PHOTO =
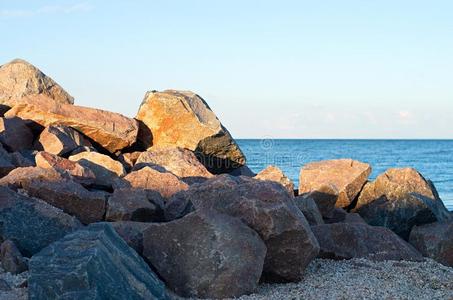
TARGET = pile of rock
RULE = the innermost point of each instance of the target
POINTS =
(96, 205)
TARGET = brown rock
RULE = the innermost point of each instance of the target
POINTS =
(273, 173)
(17, 178)
(135, 205)
(206, 255)
(267, 208)
(61, 140)
(110, 130)
(400, 199)
(183, 119)
(129, 159)
(310, 210)
(11, 258)
(19, 78)
(344, 175)
(355, 240)
(434, 241)
(325, 197)
(15, 135)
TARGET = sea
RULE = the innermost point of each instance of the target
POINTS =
(432, 158)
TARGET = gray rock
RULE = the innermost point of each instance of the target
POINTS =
(132, 233)
(11, 258)
(15, 135)
(310, 210)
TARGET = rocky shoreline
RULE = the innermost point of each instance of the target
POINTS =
(96, 205)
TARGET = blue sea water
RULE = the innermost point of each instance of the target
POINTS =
(433, 158)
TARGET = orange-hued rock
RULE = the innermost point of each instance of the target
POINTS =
(346, 176)
(19, 78)
(183, 119)
(110, 130)
(273, 173)
(61, 140)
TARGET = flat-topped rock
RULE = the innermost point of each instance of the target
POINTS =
(273, 173)
(18, 177)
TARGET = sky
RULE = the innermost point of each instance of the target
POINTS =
(268, 69)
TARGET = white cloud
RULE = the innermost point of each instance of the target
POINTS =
(46, 10)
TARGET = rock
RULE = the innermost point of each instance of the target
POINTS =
(4, 286)
(325, 198)
(17, 178)
(11, 258)
(129, 159)
(434, 241)
(19, 78)
(148, 178)
(181, 162)
(353, 218)
(132, 233)
(242, 171)
(273, 173)
(225, 256)
(81, 174)
(400, 199)
(110, 130)
(345, 176)
(71, 197)
(264, 206)
(21, 161)
(6, 164)
(92, 263)
(61, 140)
(183, 119)
(354, 240)
(105, 169)
(338, 215)
(31, 223)
(15, 135)
(135, 205)
(310, 210)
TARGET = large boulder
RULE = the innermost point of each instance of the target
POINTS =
(110, 130)
(434, 241)
(183, 119)
(61, 140)
(346, 176)
(92, 263)
(15, 134)
(206, 255)
(19, 78)
(264, 206)
(310, 210)
(273, 173)
(31, 223)
(355, 240)
(17, 178)
(400, 199)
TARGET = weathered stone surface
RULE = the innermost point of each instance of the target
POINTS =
(181, 162)
(338, 215)
(11, 258)
(183, 119)
(353, 218)
(105, 169)
(129, 159)
(242, 171)
(61, 140)
(17, 178)
(148, 178)
(19, 78)
(345, 175)
(266, 207)
(310, 210)
(71, 197)
(325, 197)
(110, 130)
(400, 199)
(132, 233)
(273, 173)
(135, 205)
(434, 241)
(31, 223)
(6, 164)
(226, 257)
(81, 174)
(92, 263)
(15, 134)
(354, 240)
(22, 159)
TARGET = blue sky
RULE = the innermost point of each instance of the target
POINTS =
(288, 69)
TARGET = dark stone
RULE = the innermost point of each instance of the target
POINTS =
(310, 210)
(15, 135)
(11, 258)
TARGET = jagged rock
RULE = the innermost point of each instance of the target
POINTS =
(110, 130)
(81, 174)
(183, 119)
(346, 176)
(129, 159)
(434, 241)
(400, 199)
(225, 256)
(132, 233)
(17, 178)
(310, 210)
(135, 205)
(61, 140)
(31, 223)
(355, 240)
(71, 197)
(92, 263)
(267, 208)
(15, 135)
(11, 258)
(148, 178)
(19, 78)
(273, 173)
(6, 165)
(181, 162)
(105, 169)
